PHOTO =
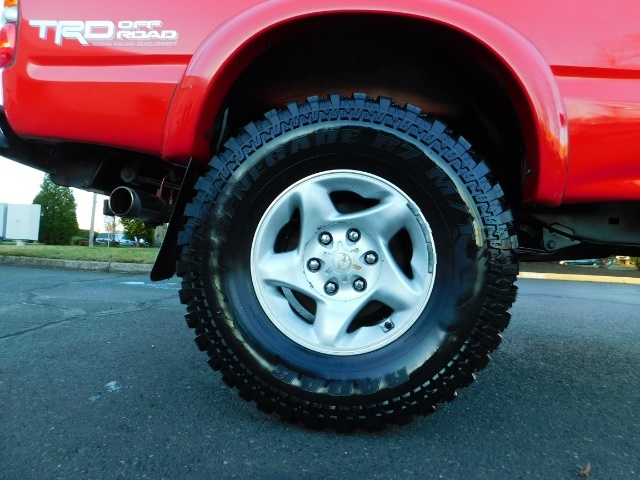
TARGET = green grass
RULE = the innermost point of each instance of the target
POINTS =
(96, 253)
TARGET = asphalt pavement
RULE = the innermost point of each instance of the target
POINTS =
(100, 378)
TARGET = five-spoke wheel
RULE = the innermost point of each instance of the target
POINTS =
(358, 255)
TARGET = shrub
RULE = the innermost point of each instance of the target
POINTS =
(77, 240)
(85, 234)
(635, 261)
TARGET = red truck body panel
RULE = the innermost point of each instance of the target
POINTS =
(577, 67)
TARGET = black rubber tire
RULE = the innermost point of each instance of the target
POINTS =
(473, 289)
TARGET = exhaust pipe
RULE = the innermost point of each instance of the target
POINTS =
(130, 203)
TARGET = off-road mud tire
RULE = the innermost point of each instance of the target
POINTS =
(473, 284)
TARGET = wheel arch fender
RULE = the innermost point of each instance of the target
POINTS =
(232, 46)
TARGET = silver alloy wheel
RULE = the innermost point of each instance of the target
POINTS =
(318, 307)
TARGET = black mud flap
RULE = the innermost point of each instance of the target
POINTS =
(165, 266)
(4, 143)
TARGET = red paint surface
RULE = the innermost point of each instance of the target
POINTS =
(593, 48)
(576, 71)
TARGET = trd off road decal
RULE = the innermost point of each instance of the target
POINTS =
(103, 33)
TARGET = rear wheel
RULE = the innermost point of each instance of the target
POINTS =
(347, 262)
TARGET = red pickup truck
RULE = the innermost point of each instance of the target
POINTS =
(349, 184)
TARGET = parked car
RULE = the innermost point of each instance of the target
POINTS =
(113, 238)
(125, 242)
(598, 262)
(103, 238)
(586, 261)
(349, 184)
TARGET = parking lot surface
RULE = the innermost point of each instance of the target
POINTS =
(100, 378)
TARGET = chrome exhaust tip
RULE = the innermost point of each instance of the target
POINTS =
(130, 203)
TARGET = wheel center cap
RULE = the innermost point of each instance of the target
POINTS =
(342, 261)
(338, 268)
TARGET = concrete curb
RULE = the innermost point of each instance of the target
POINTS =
(87, 266)
(579, 278)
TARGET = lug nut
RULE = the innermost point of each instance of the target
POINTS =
(371, 258)
(353, 235)
(313, 264)
(359, 284)
(331, 288)
(325, 238)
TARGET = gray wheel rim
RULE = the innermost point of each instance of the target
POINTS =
(344, 263)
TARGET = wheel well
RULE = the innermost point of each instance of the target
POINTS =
(429, 66)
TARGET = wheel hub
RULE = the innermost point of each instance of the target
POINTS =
(341, 261)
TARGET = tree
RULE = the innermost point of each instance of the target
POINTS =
(111, 225)
(135, 229)
(58, 220)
